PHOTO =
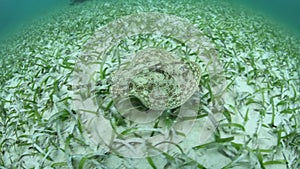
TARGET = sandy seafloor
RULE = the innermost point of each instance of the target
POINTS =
(260, 123)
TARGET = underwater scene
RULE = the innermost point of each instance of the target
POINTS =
(149, 84)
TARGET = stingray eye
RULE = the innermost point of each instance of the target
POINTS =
(130, 86)
(183, 68)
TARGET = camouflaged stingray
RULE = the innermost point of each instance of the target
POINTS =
(157, 79)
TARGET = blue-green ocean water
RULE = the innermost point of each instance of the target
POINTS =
(285, 12)
(15, 13)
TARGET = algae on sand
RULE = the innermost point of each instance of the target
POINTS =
(259, 129)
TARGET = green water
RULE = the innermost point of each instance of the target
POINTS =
(285, 12)
(15, 13)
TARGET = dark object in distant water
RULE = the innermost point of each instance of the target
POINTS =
(73, 2)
